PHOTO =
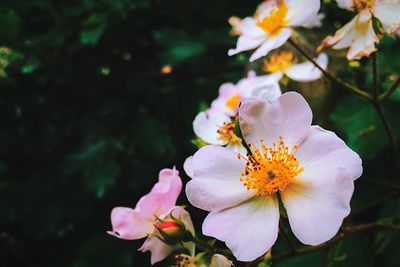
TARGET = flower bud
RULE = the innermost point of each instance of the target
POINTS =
(172, 231)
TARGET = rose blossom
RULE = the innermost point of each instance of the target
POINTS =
(272, 26)
(312, 169)
(131, 224)
(359, 34)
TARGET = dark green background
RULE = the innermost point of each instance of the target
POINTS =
(88, 120)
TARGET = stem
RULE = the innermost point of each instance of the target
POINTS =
(329, 76)
(389, 133)
(289, 241)
(374, 76)
(391, 89)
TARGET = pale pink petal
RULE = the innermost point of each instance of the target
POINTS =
(345, 4)
(159, 250)
(306, 71)
(249, 229)
(265, 85)
(289, 116)
(316, 204)
(188, 166)
(227, 90)
(302, 12)
(206, 127)
(218, 260)
(237, 148)
(272, 42)
(216, 184)
(364, 39)
(389, 15)
(128, 224)
(162, 196)
(324, 150)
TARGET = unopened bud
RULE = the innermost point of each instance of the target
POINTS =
(172, 231)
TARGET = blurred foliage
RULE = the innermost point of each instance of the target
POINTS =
(88, 120)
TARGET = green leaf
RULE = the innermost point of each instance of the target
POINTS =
(352, 251)
(92, 36)
(362, 127)
(101, 176)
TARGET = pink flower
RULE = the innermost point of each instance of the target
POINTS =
(131, 224)
(312, 169)
(272, 25)
(359, 34)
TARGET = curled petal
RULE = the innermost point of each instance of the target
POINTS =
(162, 196)
(388, 14)
(129, 224)
(219, 260)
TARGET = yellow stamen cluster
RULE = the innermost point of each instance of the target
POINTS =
(360, 5)
(183, 260)
(279, 62)
(228, 135)
(233, 102)
(271, 169)
(275, 21)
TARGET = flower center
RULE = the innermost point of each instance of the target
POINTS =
(275, 21)
(363, 4)
(228, 135)
(183, 260)
(233, 102)
(279, 62)
(271, 169)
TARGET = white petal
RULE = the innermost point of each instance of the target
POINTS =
(302, 12)
(251, 30)
(272, 42)
(343, 37)
(317, 204)
(159, 250)
(345, 4)
(249, 229)
(306, 71)
(364, 39)
(216, 184)
(315, 21)
(288, 116)
(389, 15)
(246, 43)
(206, 127)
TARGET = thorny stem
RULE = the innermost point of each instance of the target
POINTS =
(346, 231)
(391, 89)
(329, 76)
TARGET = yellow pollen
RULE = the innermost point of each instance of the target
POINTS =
(228, 135)
(271, 169)
(363, 4)
(233, 102)
(279, 62)
(275, 21)
(183, 260)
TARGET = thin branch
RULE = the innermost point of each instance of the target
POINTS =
(346, 231)
(329, 76)
(389, 133)
(391, 89)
